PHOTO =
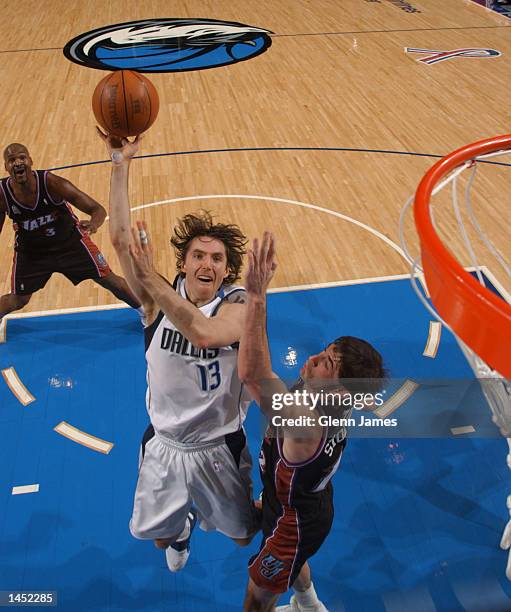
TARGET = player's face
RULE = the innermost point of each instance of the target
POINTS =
(205, 266)
(18, 163)
(324, 365)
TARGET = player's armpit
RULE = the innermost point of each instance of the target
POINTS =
(2, 219)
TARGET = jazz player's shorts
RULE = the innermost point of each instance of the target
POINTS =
(290, 537)
(215, 477)
(77, 259)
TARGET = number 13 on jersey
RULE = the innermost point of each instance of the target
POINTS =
(210, 376)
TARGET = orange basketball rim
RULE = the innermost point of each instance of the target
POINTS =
(479, 317)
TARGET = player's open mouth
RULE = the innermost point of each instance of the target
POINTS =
(205, 279)
(19, 170)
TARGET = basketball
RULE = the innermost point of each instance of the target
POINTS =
(125, 103)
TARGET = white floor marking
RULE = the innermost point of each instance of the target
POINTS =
(82, 437)
(21, 490)
(433, 341)
(406, 390)
(457, 431)
(17, 387)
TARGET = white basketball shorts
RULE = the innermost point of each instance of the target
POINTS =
(215, 477)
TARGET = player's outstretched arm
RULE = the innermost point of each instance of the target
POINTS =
(120, 222)
(254, 361)
(62, 189)
(201, 331)
(290, 414)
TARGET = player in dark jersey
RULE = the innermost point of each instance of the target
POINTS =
(48, 236)
(298, 457)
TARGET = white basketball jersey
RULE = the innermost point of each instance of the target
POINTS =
(194, 395)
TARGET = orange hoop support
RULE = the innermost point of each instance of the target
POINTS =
(479, 317)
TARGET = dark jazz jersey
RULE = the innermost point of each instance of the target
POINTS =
(44, 226)
(296, 489)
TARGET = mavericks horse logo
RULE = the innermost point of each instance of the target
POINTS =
(167, 45)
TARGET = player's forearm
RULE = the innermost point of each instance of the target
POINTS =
(120, 226)
(254, 362)
(186, 317)
(98, 216)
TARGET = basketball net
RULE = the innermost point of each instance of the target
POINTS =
(479, 319)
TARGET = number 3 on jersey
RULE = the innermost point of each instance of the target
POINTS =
(210, 376)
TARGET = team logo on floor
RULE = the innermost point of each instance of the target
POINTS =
(167, 45)
(435, 56)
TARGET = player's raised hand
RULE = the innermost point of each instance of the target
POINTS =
(261, 264)
(141, 251)
(120, 149)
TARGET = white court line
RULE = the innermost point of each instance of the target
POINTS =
(433, 342)
(457, 431)
(82, 437)
(341, 283)
(422, 281)
(396, 400)
(17, 387)
(496, 283)
(21, 490)
(327, 211)
(59, 311)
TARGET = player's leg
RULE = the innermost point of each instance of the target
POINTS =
(221, 489)
(258, 599)
(82, 260)
(11, 302)
(119, 287)
(303, 580)
(162, 503)
(305, 597)
(30, 273)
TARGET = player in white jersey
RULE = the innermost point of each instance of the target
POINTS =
(194, 462)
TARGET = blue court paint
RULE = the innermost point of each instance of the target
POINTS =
(418, 520)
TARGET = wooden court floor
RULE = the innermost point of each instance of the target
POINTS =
(332, 115)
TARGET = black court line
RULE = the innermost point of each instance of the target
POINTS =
(28, 50)
(298, 34)
(260, 149)
(460, 28)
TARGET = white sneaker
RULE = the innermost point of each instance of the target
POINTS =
(177, 554)
(294, 606)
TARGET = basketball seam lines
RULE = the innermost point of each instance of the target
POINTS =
(125, 103)
(150, 106)
(101, 102)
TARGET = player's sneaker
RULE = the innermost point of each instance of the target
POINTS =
(177, 554)
(294, 606)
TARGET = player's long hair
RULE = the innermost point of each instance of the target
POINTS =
(201, 224)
